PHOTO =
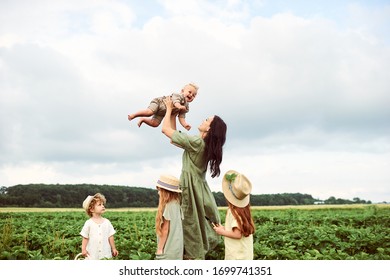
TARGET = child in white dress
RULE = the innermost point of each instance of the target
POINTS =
(97, 232)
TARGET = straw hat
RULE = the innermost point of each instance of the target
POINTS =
(169, 182)
(87, 201)
(236, 188)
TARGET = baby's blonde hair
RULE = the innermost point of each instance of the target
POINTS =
(193, 85)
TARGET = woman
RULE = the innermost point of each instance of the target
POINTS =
(200, 151)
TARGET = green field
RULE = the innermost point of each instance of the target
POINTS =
(358, 232)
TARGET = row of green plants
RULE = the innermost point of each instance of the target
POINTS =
(287, 234)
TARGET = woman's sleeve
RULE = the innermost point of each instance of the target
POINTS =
(188, 143)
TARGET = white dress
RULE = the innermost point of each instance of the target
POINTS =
(98, 246)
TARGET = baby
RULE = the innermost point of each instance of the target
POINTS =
(157, 108)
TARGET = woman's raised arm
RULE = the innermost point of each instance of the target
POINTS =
(169, 122)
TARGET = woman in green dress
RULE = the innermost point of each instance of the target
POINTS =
(200, 152)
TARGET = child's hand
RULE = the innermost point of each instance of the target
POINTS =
(115, 252)
(180, 107)
(85, 253)
(159, 251)
(188, 127)
(219, 229)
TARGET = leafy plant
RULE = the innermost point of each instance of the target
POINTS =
(230, 177)
(288, 234)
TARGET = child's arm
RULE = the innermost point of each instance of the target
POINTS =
(163, 238)
(176, 99)
(179, 106)
(112, 244)
(84, 244)
(184, 123)
(236, 233)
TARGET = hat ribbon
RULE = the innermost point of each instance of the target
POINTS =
(231, 190)
(168, 185)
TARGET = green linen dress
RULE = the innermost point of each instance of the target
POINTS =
(173, 249)
(197, 198)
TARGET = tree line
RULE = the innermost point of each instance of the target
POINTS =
(72, 196)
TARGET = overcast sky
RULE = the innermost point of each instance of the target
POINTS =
(304, 87)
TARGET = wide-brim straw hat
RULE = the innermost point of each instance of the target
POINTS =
(169, 183)
(237, 191)
(87, 201)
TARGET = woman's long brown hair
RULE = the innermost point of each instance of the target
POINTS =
(215, 139)
(244, 219)
(165, 197)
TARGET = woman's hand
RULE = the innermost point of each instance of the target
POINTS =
(168, 103)
(169, 121)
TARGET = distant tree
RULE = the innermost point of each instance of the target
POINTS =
(3, 190)
(72, 196)
(220, 199)
(356, 200)
(331, 200)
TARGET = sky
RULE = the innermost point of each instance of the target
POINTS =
(304, 87)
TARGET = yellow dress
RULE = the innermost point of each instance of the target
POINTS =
(237, 249)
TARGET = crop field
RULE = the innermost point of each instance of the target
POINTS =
(359, 232)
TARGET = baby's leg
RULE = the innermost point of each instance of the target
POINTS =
(153, 122)
(141, 113)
